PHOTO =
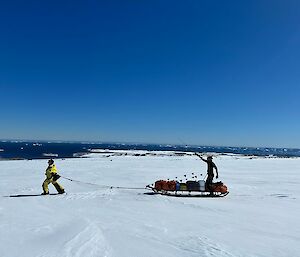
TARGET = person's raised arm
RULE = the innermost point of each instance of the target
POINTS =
(200, 157)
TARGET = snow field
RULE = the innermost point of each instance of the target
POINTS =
(260, 216)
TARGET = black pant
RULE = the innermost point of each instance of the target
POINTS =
(208, 183)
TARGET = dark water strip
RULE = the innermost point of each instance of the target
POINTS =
(46, 150)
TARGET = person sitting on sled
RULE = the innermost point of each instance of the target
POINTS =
(52, 177)
(210, 171)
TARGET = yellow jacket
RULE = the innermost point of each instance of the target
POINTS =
(50, 171)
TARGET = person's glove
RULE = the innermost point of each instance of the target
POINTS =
(55, 176)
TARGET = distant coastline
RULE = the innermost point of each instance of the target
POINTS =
(27, 150)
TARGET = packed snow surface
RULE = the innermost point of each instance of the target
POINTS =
(260, 216)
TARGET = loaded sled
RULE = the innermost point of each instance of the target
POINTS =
(189, 189)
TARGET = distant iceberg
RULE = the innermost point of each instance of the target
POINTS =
(50, 154)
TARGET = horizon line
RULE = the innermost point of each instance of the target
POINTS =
(134, 143)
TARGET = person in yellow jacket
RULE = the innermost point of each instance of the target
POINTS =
(52, 177)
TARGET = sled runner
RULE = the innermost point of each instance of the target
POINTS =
(187, 193)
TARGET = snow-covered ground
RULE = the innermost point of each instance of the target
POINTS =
(260, 216)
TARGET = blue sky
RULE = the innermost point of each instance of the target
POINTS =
(199, 72)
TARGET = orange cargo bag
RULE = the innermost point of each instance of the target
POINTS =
(172, 185)
(219, 187)
(159, 184)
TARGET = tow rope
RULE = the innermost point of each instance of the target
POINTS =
(104, 186)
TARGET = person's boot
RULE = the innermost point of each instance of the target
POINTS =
(45, 193)
(61, 191)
